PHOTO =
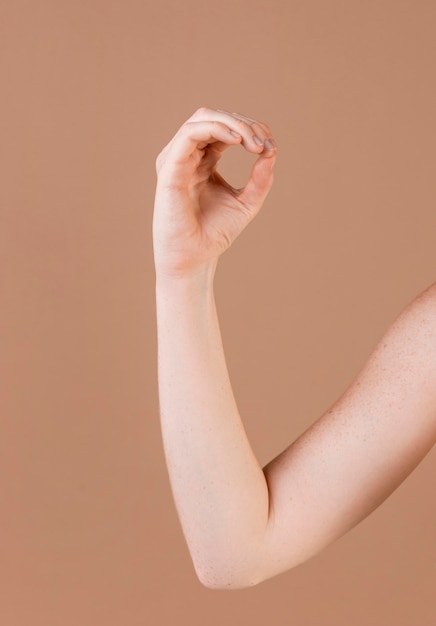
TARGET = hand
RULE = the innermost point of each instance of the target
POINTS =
(197, 214)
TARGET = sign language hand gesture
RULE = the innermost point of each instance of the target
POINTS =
(197, 214)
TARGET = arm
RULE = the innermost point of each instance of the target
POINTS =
(244, 524)
(361, 449)
(219, 488)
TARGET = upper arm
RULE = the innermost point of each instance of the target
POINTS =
(354, 456)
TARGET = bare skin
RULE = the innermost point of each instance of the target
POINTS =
(244, 524)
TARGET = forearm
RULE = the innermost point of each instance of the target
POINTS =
(219, 488)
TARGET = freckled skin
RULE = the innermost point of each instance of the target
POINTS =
(352, 458)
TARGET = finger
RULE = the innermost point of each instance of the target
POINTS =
(239, 115)
(186, 150)
(260, 182)
(253, 132)
(194, 136)
(265, 132)
(198, 115)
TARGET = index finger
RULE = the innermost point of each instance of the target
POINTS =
(181, 157)
(193, 136)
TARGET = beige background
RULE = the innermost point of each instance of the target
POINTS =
(90, 93)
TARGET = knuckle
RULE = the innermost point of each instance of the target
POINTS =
(202, 111)
(186, 128)
(264, 125)
(240, 122)
(242, 126)
(158, 161)
(266, 128)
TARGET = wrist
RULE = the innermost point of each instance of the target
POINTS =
(187, 298)
(202, 277)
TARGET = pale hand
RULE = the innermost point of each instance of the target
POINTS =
(197, 214)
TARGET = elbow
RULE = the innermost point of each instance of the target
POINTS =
(217, 581)
(226, 585)
(231, 577)
(232, 567)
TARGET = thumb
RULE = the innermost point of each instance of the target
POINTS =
(259, 183)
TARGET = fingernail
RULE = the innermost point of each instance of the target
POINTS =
(257, 140)
(270, 144)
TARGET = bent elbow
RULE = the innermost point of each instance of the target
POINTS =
(219, 579)
(226, 585)
(231, 571)
(220, 582)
